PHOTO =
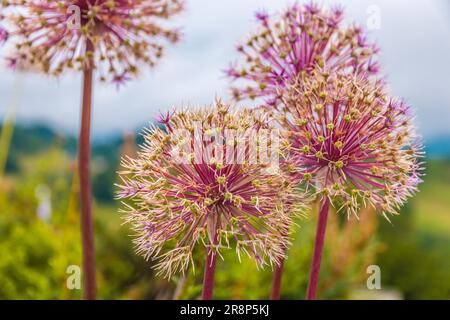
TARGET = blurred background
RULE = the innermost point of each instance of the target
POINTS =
(39, 217)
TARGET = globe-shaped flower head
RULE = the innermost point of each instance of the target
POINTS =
(297, 40)
(195, 183)
(351, 142)
(117, 35)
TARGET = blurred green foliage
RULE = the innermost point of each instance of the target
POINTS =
(36, 252)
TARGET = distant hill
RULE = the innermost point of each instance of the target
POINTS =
(438, 147)
(30, 140)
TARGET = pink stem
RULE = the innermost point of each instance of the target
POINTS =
(84, 154)
(276, 281)
(318, 249)
(208, 277)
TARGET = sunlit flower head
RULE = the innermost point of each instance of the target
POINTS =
(194, 184)
(351, 142)
(296, 40)
(117, 35)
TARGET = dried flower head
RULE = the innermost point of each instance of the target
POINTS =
(117, 35)
(351, 142)
(194, 183)
(297, 40)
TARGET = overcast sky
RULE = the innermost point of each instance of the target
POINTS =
(414, 38)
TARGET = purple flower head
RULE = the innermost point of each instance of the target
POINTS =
(11, 63)
(112, 36)
(121, 79)
(338, 12)
(262, 17)
(194, 183)
(298, 39)
(166, 118)
(311, 8)
(3, 35)
(351, 142)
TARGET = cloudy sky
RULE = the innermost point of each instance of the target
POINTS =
(414, 36)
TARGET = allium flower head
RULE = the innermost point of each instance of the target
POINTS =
(351, 142)
(116, 35)
(297, 40)
(186, 193)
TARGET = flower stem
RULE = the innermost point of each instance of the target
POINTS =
(276, 281)
(208, 277)
(318, 249)
(84, 155)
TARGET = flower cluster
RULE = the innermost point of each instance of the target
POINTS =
(351, 142)
(184, 192)
(297, 40)
(113, 36)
